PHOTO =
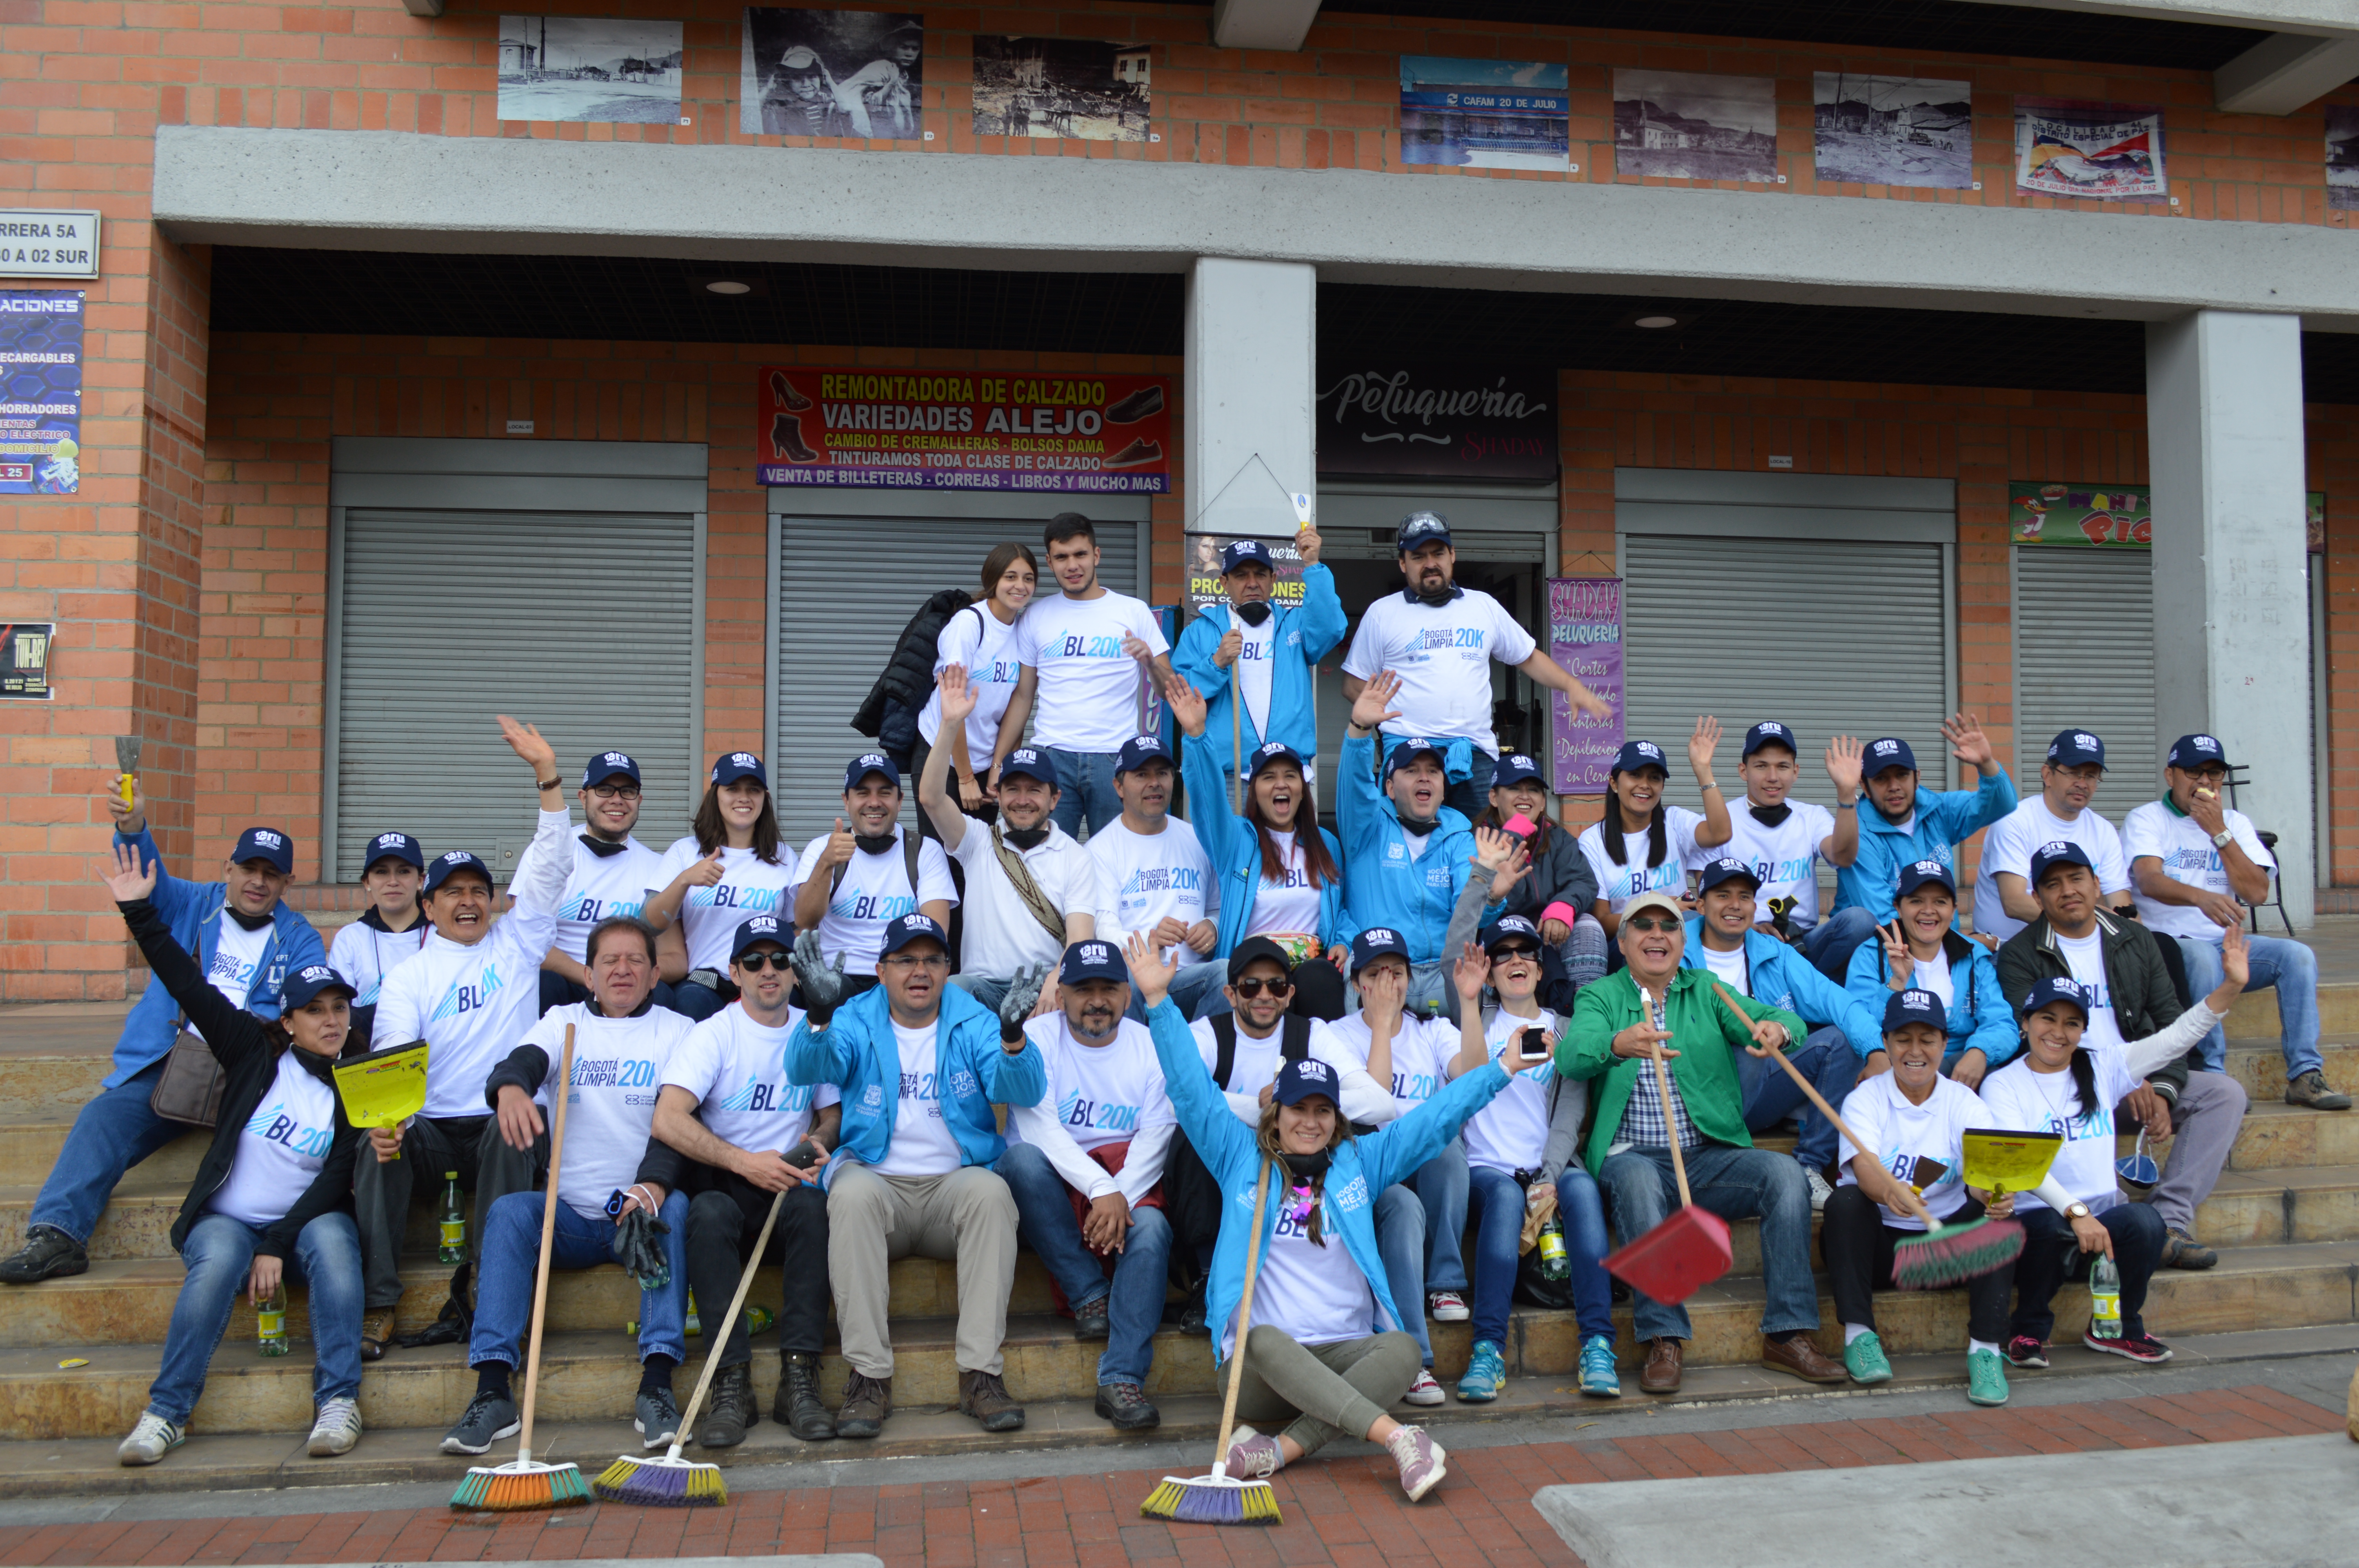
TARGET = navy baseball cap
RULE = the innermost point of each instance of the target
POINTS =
(1637, 755)
(1914, 1005)
(1421, 528)
(1917, 873)
(1273, 751)
(1514, 768)
(450, 862)
(2192, 752)
(1030, 763)
(1256, 948)
(1139, 751)
(266, 844)
(1299, 1081)
(2061, 852)
(609, 764)
(1511, 928)
(759, 929)
(1726, 867)
(309, 981)
(1768, 732)
(741, 765)
(1374, 943)
(1410, 750)
(2075, 748)
(1883, 756)
(393, 847)
(2053, 989)
(1092, 961)
(910, 928)
(1240, 551)
(868, 762)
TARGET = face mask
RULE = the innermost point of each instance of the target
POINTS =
(1253, 615)
(1026, 838)
(874, 843)
(1435, 598)
(1771, 815)
(1306, 1167)
(1419, 828)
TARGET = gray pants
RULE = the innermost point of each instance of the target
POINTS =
(967, 1217)
(469, 1145)
(2204, 1130)
(1331, 1390)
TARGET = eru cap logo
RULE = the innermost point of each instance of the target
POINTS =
(1095, 952)
(1886, 748)
(768, 924)
(2084, 739)
(613, 757)
(1519, 760)
(267, 839)
(1312, 1067)
(1920, 999)
(2206, 743)
(870, 759)
(1931, 867)
(1770, 727)
(1029, 753)
(1382, 934)
(1648, 749)
(2057, 847)
(319, 972)
(744, 759)
(454, 857)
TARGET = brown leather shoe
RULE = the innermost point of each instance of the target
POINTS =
(1660, 1375)
(983, 1396)
(866, 1402)
(376, 1333)
(1802, 1358)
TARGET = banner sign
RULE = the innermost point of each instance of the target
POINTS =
(40, 392)
(25, 658)
(953, 430)
(2040, 513)
(2101, 152)
(1204, 588)
(1481, 425)
(37, 244)
(1584, 617)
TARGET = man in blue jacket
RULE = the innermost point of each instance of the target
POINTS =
(1721, 938)
(1921, 949)
(920, 1063)
(1903, 824)
(1405, 853)
(247, 942)
(1268, 651)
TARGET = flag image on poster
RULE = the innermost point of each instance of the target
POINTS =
(40, 391)
(2101, 152)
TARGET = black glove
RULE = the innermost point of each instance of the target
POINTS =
(638, 1247)
(1016, 1004)
(821, 983)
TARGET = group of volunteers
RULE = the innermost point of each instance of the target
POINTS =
(1054, 1015)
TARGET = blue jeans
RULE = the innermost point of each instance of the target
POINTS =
(693, 999)
(220, 1260)
(2289, 967)
(509, 1254)
(1084, 789)
(2050, 1256)
(1440, 1185)
(113, 1133)
(1771, 1096)
(1188, 987)
(1830, 942)
(1400, 1242)
(1498, 1238)
(1734, 1183)
(1044, 1223)
(1472, 792)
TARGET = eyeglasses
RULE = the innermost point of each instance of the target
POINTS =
(1662, 922)
(614, 792)
(926, 961)
(2207, 776)
(1253, 986)
(754, 963)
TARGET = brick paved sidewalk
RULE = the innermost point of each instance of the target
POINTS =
(1347, 1512)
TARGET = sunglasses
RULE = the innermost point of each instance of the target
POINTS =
(1662, 922)
(1252, 987)
(754, 963)
(1517, 951)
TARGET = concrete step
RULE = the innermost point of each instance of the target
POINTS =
(29, 1147)
(44, 1083)
(2260, 1067)
(588, 1375)
(2254, 1016)
(2272, 1207)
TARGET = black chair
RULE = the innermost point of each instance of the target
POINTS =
(2269, 842)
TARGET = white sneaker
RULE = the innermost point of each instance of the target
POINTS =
(337, 1430)
(1819, 1191)
(1425, 1391)
(1447, 1307)
(150, 1440)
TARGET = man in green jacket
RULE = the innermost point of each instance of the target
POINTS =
(1616, 1025)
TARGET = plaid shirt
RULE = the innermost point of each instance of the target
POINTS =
(1642, 1120)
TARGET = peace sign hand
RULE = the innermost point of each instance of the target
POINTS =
(1897, 959)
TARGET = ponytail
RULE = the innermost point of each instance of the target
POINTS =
(2084, 1078)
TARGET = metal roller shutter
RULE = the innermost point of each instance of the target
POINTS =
(846, 587)
(2084, 659)
(1832, 638)
(581, 623)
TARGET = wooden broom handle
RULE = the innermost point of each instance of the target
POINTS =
(1915, 1204)
(1244, 1317)
(1663, 1088)
(547, 1237)
(715, 1340)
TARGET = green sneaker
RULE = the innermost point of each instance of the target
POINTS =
(1863, 1359)
(1986, 1377)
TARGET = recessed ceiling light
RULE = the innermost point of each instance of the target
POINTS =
(731, 285)
(1656, 323)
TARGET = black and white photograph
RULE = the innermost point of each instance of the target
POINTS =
(1894, 130)
(597, 69)
(831, 74)
(1678, 124)
(1061, 89)
(2343, 156)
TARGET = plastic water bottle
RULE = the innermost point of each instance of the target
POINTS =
(757, 1319)
(1554, 1264)
(2104, 1299)
(695, 1324)
(270, 1322)
(455, 1221)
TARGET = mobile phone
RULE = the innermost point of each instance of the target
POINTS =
(1532, 1045)
(1522, 826)
(803, 1156)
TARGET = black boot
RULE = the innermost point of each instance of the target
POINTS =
(46, 1254)
(798, 1408)
(733, 1411)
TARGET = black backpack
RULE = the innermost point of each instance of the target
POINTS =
(890, 714)
(1293, 1043)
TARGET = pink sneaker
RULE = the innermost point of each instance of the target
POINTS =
(1252, 1456)
(1420, 1460)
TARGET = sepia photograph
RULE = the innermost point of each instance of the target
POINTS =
(1678, 125)
(589, 69)
(1069, 89)
(1893, 130)
(2343, 156)
(831, 73)
(1485, 113)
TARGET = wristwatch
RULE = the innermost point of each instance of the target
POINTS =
(2076, 1211)
(2223, 838)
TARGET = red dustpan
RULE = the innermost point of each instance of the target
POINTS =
(1684, 1253)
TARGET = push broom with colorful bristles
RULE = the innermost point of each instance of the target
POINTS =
(672, 1482)
(1215, 1499)
(521, 1483)
(1946, 1254)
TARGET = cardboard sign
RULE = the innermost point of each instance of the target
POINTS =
(2016, 1162)
(385, 1088)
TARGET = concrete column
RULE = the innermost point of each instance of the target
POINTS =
(2231, 601)
(1250, 360)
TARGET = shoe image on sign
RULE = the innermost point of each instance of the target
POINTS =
(787, 439)
(1139, 451)
(782, 389)
(1147, 400)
